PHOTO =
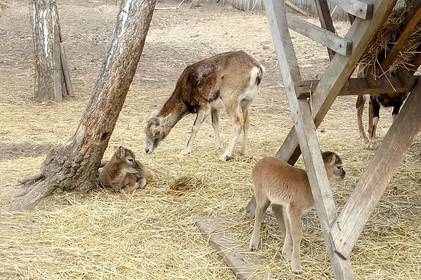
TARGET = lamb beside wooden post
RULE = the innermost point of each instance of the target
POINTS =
(287, 189)
(123, 171)
(228, 80)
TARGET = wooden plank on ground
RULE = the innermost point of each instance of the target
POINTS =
(325, 37)
(363, 86)
(226, 246)
(361, 9)
(366, 195)
(325, 20)
(337, 73)
(304, 126)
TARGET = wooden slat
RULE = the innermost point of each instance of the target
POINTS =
(306, 130)
(361, 9)
(337, 73)
(363, 86)
(350, 223)
(403, 38)
(325, 20)
(227, 247)
(320, 35)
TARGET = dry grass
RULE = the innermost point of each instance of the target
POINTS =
(151, 233)
(385, 39)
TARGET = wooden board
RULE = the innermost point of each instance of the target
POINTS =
(363, 86)
(227, 247)
(358, 8)
(325, 20)
(350, 223)
(305, 129)
(337, 73)
(325, 37)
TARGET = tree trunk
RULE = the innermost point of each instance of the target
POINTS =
(52, 79)
(74, 166)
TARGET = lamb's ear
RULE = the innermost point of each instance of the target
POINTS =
(120, 151)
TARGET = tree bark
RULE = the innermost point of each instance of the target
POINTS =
(73, 166)
(52, 79)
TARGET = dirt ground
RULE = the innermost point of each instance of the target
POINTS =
(151, 234)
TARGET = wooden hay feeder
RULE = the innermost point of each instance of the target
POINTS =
(340, 232)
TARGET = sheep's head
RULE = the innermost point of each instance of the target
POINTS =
(155, 132)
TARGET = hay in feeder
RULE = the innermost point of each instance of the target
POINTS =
(387, 37)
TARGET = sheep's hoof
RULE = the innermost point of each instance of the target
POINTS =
(253, 247)
(225, 157)
(186, 151)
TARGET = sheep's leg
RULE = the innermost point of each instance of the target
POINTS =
(200, 118)
(236, 134)
(245, 125)
(215, 125)
(372, 131)
(360, 111)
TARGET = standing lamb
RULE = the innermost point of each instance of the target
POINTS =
(288, 190)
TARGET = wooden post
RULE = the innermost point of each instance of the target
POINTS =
(74, 165)
(325, 20)
(366, 195)
(306, 131)
(337, 73)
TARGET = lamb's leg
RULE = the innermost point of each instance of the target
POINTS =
(294, 216)
(200, 118)
(277, 211)
(287, 247)
(237, 131)
(261, 205)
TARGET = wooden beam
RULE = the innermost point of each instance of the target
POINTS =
(325, 20)
(363, 86)
(300, 111)
(361, 9)
(403, 38)
(350, 223)
(227, 247)
(337, 73)
(325, 37)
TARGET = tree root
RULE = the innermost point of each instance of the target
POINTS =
(38, 191)
(30, 179)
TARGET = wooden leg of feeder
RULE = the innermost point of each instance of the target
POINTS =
(350, 223)
(306, 131)
(338, 72)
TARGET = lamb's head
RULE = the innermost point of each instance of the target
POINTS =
(333, 165)
(155, 132)
(126, 159)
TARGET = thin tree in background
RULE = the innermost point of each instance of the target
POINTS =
(52, 78)
(74, 165)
